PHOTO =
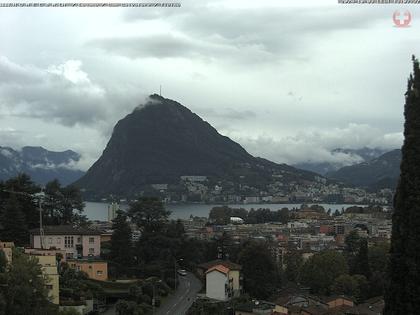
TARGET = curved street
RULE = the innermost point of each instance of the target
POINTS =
(183, 298)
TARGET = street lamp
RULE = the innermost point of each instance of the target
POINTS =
(154, 297)
(176, 274)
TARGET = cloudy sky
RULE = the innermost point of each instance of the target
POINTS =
(289, 80)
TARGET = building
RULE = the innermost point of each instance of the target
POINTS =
(48, 265)
(7, 249)
(236, 220)
(77, 242)
(106, 236)
(59, 254)
(194, 178)
(223, 282)
(260, 308)
(112, 211)
(95, 269)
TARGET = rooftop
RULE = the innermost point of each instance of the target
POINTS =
(87, 260)
(219, 268)
(225, 263)
(65, 230)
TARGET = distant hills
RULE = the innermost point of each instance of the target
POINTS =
(163, 140)
(42, 165)
(352, 156)
(381, 172)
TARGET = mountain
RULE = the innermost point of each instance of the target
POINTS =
(381, 172)
(42, 165)
(163, 140)
(344, 157)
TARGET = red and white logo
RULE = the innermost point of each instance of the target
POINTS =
(402, 19)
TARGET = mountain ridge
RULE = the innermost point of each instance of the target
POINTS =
(39, 163)
(350, 157)
(163, 140)
(381, 172)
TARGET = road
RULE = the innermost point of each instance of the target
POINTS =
(110, 311)
(183, 298)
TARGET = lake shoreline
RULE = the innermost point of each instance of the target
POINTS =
(99, 210)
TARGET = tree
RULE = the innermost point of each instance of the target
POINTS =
(63, 205)
(352, 246)
(69, 311)
(13, 223)
(75, 285)
(258, 269)
(149, 214)
(378, 263)
(345, 285)
(320, 270)
(361, 262)
(3, 261)
(403, 292)
(220, 215)
(294, 262)
(121, 249)
(127, 308)
(25, 188)
(355, 286)
(352, 242)
(284, 215)
(26, 290)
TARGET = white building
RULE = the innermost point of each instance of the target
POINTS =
(236, 220)
(112, 211)
(222, 283)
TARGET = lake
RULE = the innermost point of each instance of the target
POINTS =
(99, 210)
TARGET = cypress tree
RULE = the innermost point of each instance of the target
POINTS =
(121, 250)
(13, 223)
(362, 260)
(403, 291)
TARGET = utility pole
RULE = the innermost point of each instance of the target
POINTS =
(41, 227)
(175, 273)
(154, 296)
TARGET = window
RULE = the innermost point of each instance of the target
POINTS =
(58, 240)
(90, 267)
(99, 273)
(50, 240)
(79, 239)
(91, 251)
(78, 268)
(91, 240)
(68, 241)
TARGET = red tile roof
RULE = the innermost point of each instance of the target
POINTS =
(219, 268)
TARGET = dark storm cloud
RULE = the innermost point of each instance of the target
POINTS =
(158, 46)
(286, 81)
(61, 93)
(242, 35)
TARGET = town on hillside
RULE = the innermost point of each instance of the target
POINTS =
(307, 260)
